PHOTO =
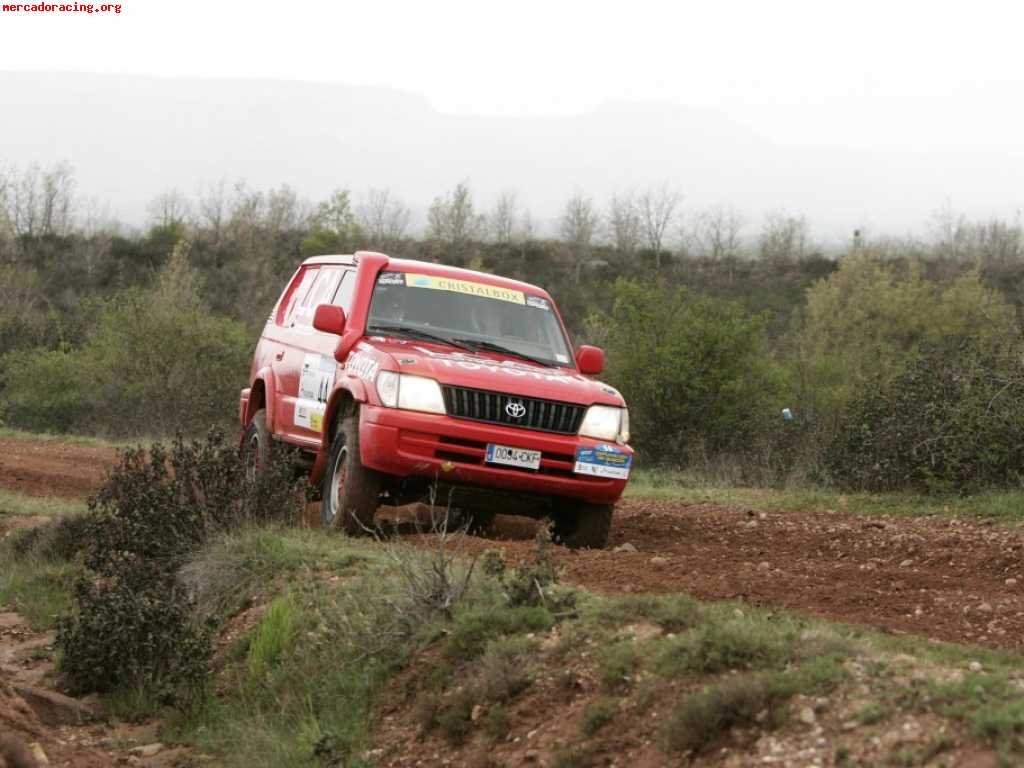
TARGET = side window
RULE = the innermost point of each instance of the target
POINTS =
(320, 293)
(346, 290)
(299, 291)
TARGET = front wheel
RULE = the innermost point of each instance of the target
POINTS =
(580, 524)
(350, 490)
(256, 448)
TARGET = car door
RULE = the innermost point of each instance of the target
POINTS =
(309, 360)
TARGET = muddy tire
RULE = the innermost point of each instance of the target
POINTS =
(582, 525)
(479, 523)
(350, 491)
(256, 445)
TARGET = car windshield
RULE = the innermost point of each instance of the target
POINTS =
(469, 315)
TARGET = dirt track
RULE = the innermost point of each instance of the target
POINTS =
(939, 578)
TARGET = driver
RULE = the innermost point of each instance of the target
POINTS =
(485, 318)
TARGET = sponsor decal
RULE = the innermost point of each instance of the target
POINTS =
(316, 380)
(603, 460)
(538, 302)
(413, 280)
(391, 278)
(362, 366)
(469, 363)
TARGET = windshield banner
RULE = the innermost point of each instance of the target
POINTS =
(464, 286)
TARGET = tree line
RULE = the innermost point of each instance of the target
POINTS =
(710, 333)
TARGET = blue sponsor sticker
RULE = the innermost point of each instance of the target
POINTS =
(603, 461)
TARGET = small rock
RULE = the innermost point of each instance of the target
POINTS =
(906, 563)
(476, 713)
(659, 560)
(975, 666)
(849, 725)
(37, 752)
(1011, 582)
(530, 755)
(807, 716)
(149, 750)
(985, 608)
(764, 566)
(627, 547)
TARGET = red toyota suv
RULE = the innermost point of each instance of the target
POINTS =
(404, 380)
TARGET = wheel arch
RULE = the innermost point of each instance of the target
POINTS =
(343, 402)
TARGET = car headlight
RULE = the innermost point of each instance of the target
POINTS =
(605, 422)
(411, 393)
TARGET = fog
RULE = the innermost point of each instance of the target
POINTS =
(871, 115)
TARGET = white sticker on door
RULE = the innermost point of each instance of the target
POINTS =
(316, 380)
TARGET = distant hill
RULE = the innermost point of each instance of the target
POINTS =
(131, 138)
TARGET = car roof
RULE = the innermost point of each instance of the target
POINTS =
(432, 268)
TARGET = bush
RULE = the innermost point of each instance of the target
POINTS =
(154, 363)
(127, 634)
(694, 370)
(953, 420)
(133, 626)
(157, 506)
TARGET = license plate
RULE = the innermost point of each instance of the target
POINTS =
(513, 457)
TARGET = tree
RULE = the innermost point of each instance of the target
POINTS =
(579, 224)
(658, 208)
(624, 227)
(384, 219)
(784, 238)
(169, 210)
(40, 203)
(453, 222)
(501, 223)
(335, 228)
(715, 234)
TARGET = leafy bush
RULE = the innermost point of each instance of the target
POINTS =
(864, 321)
(158, 505)
(953, 420)
(154, 363)
(694, 370)
(134, 626)
(126, 635)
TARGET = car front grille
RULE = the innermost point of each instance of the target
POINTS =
(501, 408)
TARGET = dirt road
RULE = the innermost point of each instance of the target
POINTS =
(945, 579)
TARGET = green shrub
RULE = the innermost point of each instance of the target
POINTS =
(953, 420)
(154, 362)
(703, 718)
(127, 634)
(597, 715)
(133, 626)
(694, 370)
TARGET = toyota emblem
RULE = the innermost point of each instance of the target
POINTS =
(515, 409)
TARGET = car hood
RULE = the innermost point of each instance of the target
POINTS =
(495, 372)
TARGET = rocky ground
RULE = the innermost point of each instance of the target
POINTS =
(937, 578)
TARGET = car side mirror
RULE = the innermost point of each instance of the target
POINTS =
(329, 319)
(590, 360)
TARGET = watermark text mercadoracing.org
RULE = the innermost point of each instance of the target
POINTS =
(62, 8)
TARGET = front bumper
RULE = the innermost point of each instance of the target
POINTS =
(407, 443)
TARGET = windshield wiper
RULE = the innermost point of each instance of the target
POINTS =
(490, 346)
(416, 333)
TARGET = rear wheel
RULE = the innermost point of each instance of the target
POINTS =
(256, 448)
(479, 522)
(581, 525)
(350, 490)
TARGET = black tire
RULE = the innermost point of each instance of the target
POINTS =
(256, 446)
(580, 525)
(479, 522)
(350, 491)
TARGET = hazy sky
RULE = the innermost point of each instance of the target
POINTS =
(901, 74)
